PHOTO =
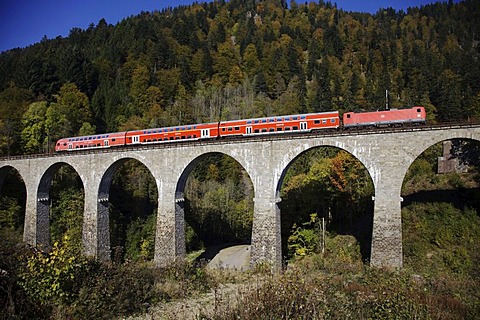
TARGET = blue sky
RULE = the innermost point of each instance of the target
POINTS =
(24, 22)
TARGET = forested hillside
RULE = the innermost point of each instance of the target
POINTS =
(224, 60)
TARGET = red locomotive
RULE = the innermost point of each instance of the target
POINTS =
(392, 117)
(249, 127)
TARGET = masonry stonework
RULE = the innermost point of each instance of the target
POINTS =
(387, 157)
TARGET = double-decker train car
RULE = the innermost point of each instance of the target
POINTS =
(392, 117)
(281, 124)
(268, 125)
(96, 141)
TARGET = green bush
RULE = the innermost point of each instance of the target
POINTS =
(52, 277)
(14, 301)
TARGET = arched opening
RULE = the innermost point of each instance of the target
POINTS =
(325, 192)
(218, 206)
(67, 196)
(128, 198)
(13, 195)
(60, 203)
(441, 211)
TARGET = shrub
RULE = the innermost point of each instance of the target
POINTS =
(52, 277)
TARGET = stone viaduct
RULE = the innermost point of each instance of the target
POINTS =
(386, 154)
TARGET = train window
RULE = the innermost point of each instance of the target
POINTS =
(177, 138)
(256, 131)
(264, 120)
(64, 144)
(419, 110)
(264, 130)
(324, 121)
(249, 122)
(279, 129)
(183, 137)
(194, 135)
(113, 139)
(165, 139)
(256, 121)
(303, 117)
(271, 130)
(288, 128)
(316, 121)
(287, 118)
(230, 129)
(237, 128)
(223, 129)
(332, 120)
(348, 116)
(295, 128)
(194, 127)
(189, 137)
(190, 128)
(295, 118)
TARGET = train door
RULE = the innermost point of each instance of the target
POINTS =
(205, 133)
(70, 146)
(249, 130)
(136, 139)
(303, 126)
(105, 143)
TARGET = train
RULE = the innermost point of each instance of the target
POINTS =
(247, 127)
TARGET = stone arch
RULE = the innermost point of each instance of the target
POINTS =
(431, 142)
(43, 203)
(5, 171)
(103, 250)
(181, 184)
(295, 153)
(424, 200)
(292, 158)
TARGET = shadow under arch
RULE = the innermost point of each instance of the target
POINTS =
(13, 191)
(43, 203)
(181, 205)
(360, 224)
(103, 203)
